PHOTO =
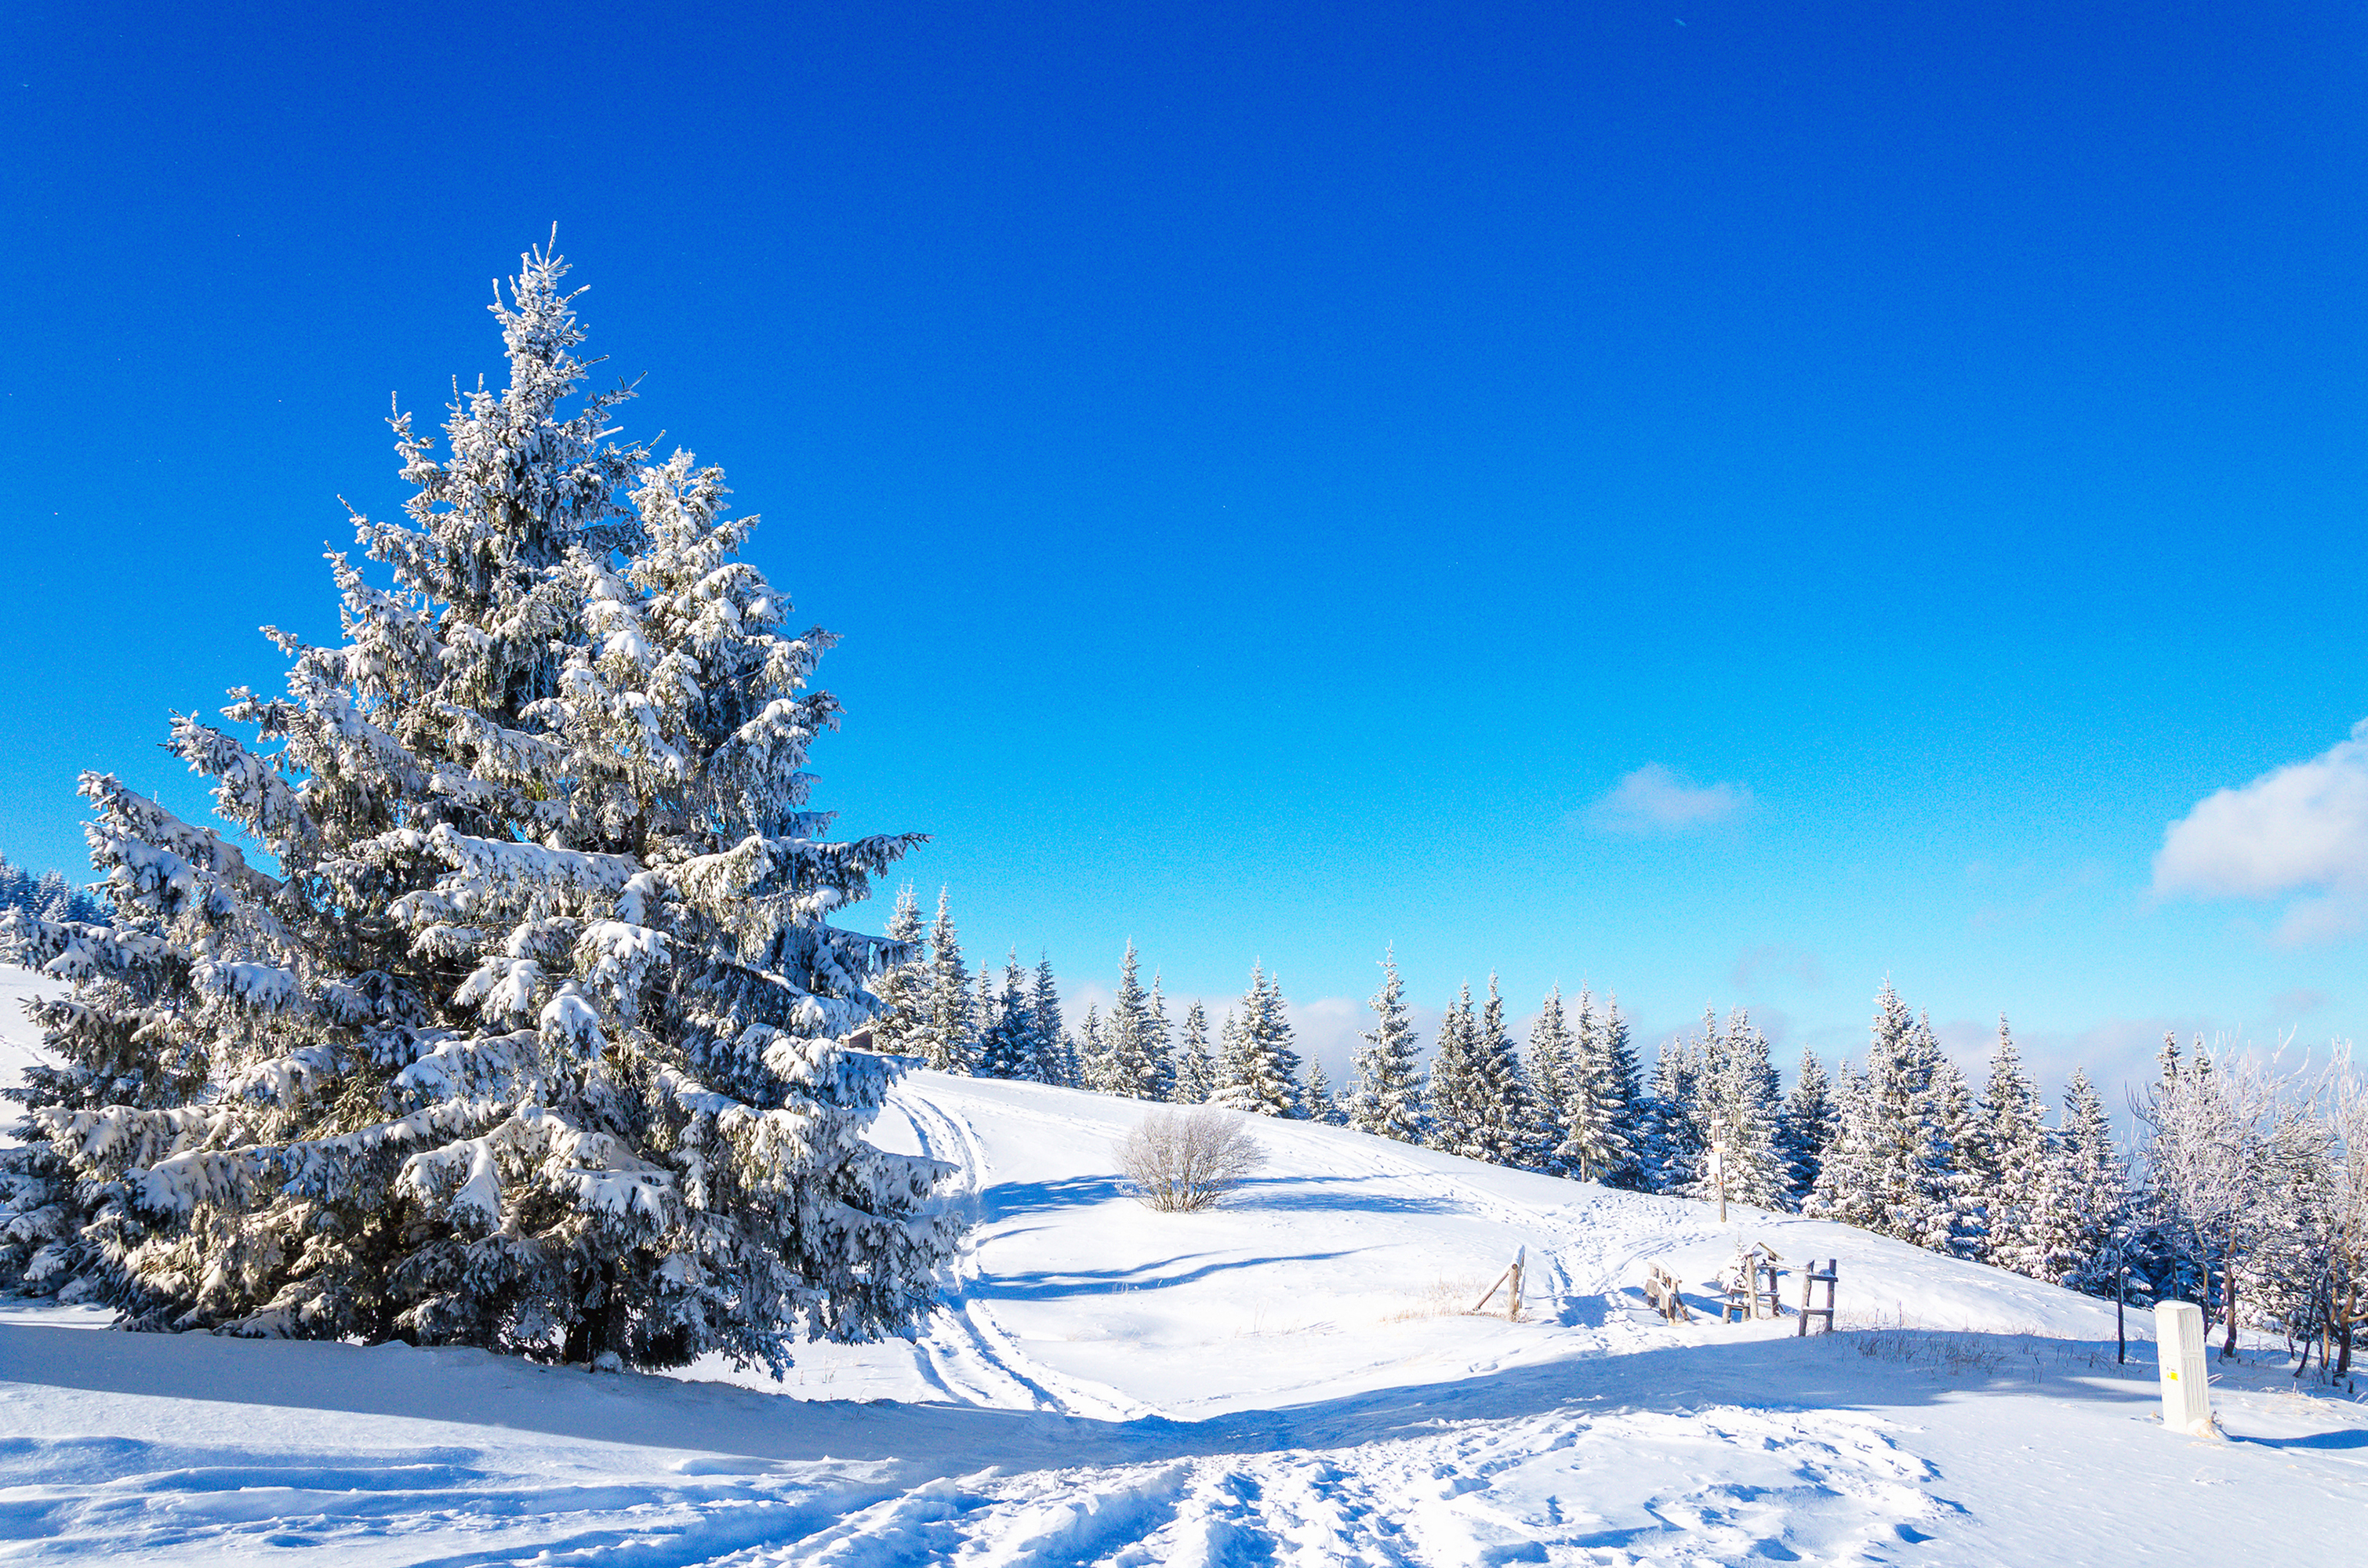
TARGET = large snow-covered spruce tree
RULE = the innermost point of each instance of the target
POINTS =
(536, 1036)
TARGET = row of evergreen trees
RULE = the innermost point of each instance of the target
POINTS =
(2248, 1193)
(1008, 1025)
(47, 897)
(1903, 1147)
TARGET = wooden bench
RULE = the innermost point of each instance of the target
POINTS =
(1661, 1289)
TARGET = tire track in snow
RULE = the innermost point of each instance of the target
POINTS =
(983, 1363)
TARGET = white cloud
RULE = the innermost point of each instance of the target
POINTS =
(2302, 828)
(1654, 800)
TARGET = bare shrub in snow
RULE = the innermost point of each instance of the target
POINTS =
(1180, 1160)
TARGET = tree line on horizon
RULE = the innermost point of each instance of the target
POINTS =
(48, 896)
(2255, 1207)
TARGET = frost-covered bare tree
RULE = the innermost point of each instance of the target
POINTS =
(536, 1037)
(2219, 1133)
(2345, 1098)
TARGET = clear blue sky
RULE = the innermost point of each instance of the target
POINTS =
(1279, 470)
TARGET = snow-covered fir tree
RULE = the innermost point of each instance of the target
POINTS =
(1196, 1070)
(1960, 1130)
(1809, 1122)
(1456, 1115)
(2078, 1230)
(904, 989)
(1735, 1115)
(1053, 1062)
(1133, 1066)
(1889, 1169)
(536, 1038)
(947, 1037)
(1316, 1095)
(1615, 1057)
(1160, 1039)
(1007, 1048)
(1591, 1115)
(1669, 1139)
(2009, 1158)
(1551, 1064)
(1509, 1129)
(1386, 1081)
(53, 898)
(986, 1013)
(1260, 1071)
(1090, 1050)
(49, 896)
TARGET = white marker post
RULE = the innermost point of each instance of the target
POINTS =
(2178, 1357)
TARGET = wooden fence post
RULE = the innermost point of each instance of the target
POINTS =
(1810, 1280)
(1512, 1276)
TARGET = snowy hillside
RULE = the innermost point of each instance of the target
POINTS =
(1290, 1379)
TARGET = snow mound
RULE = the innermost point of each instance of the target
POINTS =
(1292, 1378)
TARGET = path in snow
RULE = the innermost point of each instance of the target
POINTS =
(1270, 1382)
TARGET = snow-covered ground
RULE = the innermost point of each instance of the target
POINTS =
(19, 1041)
(1290, 1379)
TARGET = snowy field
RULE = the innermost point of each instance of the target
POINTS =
(17, 1047)
(1289, 1380)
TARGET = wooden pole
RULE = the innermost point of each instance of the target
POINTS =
(2121, 1327)
(1492, 1290)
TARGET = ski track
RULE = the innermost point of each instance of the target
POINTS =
(1585, 1435)
(1414, 1500)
